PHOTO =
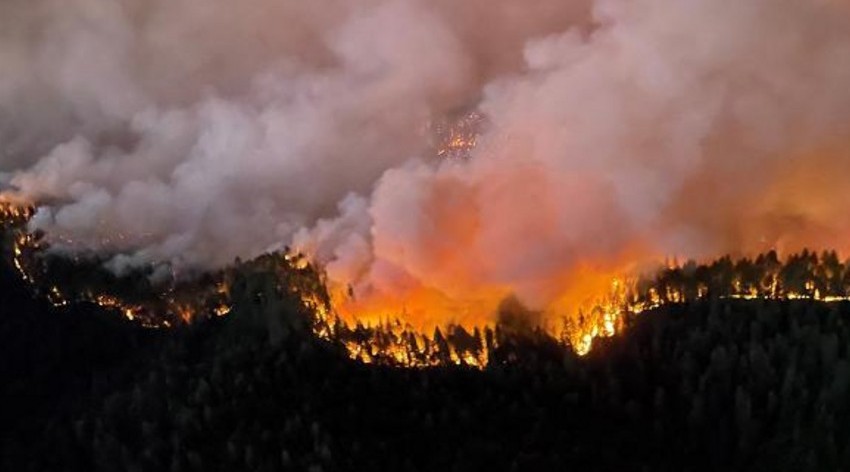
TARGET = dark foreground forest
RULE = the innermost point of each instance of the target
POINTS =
(715, 384)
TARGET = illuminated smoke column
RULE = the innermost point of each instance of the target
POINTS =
(616, 133)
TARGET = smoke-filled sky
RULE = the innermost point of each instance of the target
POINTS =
(616, 132)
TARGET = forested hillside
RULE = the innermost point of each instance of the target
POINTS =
(713, 384)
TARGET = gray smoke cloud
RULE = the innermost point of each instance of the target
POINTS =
(617, 132)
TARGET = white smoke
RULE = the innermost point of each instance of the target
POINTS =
(618, 131)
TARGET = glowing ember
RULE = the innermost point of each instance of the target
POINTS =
(457, 139)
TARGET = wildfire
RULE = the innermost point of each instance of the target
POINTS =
(804, 276)
(369, 337)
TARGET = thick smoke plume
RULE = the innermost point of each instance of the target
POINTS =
(616, 132)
